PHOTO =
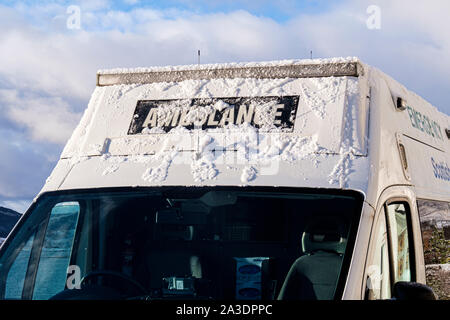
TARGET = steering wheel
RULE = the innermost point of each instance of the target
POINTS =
(128, 279)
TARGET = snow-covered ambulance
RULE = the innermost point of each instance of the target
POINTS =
(288, 180)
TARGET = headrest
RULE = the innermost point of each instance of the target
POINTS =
(325, 233)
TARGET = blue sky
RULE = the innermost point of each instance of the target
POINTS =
(280, 11)
(47, 70)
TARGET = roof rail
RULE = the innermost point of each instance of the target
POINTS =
(334, 69)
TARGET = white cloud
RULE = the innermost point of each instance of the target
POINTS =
(412, 41)
(47, 119)
(413, 44)
(24, 165)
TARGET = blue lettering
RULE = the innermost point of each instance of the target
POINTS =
(441, 170)
(428, 126)
(438, 129)
(419, 120)
(424, 123)
(434, 167)
(411, 116)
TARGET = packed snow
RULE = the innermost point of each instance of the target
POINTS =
(249, 147)
(216, 66)
(248, 174)
(324, 125)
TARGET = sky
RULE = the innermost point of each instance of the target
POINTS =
(49, 57)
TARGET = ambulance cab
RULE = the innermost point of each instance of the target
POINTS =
(284, 180)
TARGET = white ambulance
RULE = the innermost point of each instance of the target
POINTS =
(286, 180)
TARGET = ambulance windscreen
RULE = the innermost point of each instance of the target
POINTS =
(220, 243)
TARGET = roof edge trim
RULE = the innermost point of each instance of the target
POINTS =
(339, 69)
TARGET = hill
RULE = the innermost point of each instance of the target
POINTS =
(8, 218)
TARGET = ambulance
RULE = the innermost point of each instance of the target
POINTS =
(284, 180)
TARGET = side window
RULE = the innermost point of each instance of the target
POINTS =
(34, 265)
(18, 271)
(435, 225)
(399, 237)
(378, 281)
(393, 258)
(56, 250)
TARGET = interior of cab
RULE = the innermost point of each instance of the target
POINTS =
(202, 243)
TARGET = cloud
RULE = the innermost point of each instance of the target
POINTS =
(24, 165)
(411, 41)
(47, 119)
(413, 44)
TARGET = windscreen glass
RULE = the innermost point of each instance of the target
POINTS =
(219, 243)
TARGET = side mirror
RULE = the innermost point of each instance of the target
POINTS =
(412, 291)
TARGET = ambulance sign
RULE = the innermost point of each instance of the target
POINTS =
(210, 113)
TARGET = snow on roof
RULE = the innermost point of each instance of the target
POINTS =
(293, 62)
(259, 70)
